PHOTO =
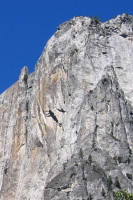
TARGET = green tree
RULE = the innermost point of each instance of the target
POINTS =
(109, 183)
(117, 183)
(123, 195)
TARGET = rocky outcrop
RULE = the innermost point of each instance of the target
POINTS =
(66, 130)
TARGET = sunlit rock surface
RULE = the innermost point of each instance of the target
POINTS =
(66, 130)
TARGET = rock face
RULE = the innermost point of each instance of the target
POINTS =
(66, 130)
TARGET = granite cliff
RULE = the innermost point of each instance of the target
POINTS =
(66, 130)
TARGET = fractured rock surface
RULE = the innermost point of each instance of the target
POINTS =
(66, 130)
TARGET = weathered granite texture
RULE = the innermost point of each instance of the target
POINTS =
(66, 130)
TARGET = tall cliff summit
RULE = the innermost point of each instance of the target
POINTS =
(66, 130)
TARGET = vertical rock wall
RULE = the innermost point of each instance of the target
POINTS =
(66, 129)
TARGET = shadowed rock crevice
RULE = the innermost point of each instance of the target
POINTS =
(51, 114)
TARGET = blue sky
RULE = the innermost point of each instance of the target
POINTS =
(26, 26)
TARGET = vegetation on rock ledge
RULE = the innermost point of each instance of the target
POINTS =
(123, 195)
